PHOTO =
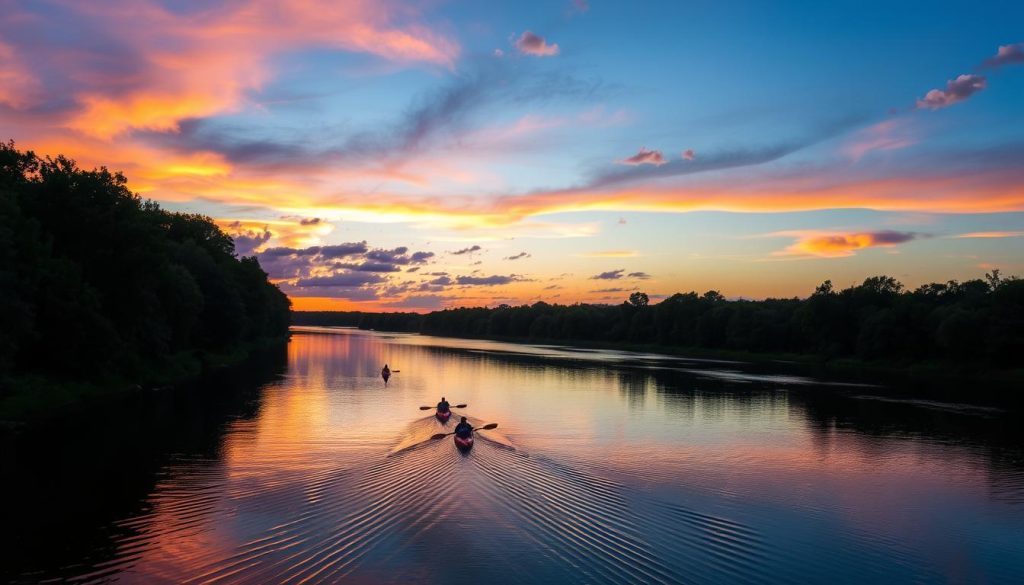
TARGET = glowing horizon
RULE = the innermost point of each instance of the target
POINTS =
(413, 156)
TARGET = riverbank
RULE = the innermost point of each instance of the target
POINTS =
(930, 373)
(961, 381)
(26, 399)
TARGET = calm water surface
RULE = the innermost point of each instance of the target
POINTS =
(607, 467)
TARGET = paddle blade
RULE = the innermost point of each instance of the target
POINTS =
(489, 427)
(426, 407)
(438, 436)
(459, 406)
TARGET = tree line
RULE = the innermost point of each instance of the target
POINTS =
(96, 283)
(976, 321)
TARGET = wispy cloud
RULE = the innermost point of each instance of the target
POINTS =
(427, 302)
(645, 157)
(578, 6)
(340, 279)
(689, 154)
(517, 256)
(445, 117)
(993, 234)
(610, 275)
(723, 159)
(886, 135)
(486, 280)
(468, 250)
(149, 67)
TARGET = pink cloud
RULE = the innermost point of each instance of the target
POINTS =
(1007, 55)
(645, 157)
(173, 65)
(957, 90)
(17, 84)
(887, 135)
(531, 44)
(579, 6)
(689, 154)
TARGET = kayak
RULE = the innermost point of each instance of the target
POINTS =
(443, 416)
(385, 374)
(464, 444)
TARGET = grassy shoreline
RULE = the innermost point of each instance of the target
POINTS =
(25, 399)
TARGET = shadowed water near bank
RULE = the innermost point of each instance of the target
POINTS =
(607, 467)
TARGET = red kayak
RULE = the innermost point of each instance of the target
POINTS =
(443, 416)
(464, 444)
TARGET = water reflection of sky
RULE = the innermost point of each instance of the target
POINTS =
(623, 466)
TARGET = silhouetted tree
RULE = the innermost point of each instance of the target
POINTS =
(973, 321)
(97, 283)
(639, 299)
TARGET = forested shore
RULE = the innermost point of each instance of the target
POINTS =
(102, 290)
(976, 323)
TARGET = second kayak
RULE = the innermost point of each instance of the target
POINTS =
(464, 444)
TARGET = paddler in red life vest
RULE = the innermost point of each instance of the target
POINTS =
(463, 430)
(443, 406)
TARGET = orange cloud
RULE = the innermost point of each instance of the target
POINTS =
(838, 245)
(203, 62)
(985, 192)
(292, 233)
(1017, 234)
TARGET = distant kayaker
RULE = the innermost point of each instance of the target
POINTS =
(464, 430)
(443, 406)
(385, 373)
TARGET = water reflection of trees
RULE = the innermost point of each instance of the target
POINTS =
(69, 479)
(992, 437)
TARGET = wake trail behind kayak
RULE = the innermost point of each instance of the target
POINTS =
(419, 432)
(495, 510)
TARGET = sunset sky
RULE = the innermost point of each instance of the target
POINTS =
(409, 156)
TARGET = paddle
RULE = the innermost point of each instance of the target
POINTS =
(483, 428)
(433, 407)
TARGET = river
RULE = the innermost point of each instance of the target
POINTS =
(606, 467)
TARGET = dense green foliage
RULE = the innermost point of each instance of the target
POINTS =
(978, 321)
(96, 283)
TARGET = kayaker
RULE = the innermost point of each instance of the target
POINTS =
(464, 430)
(386, 372)
(443, 406)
